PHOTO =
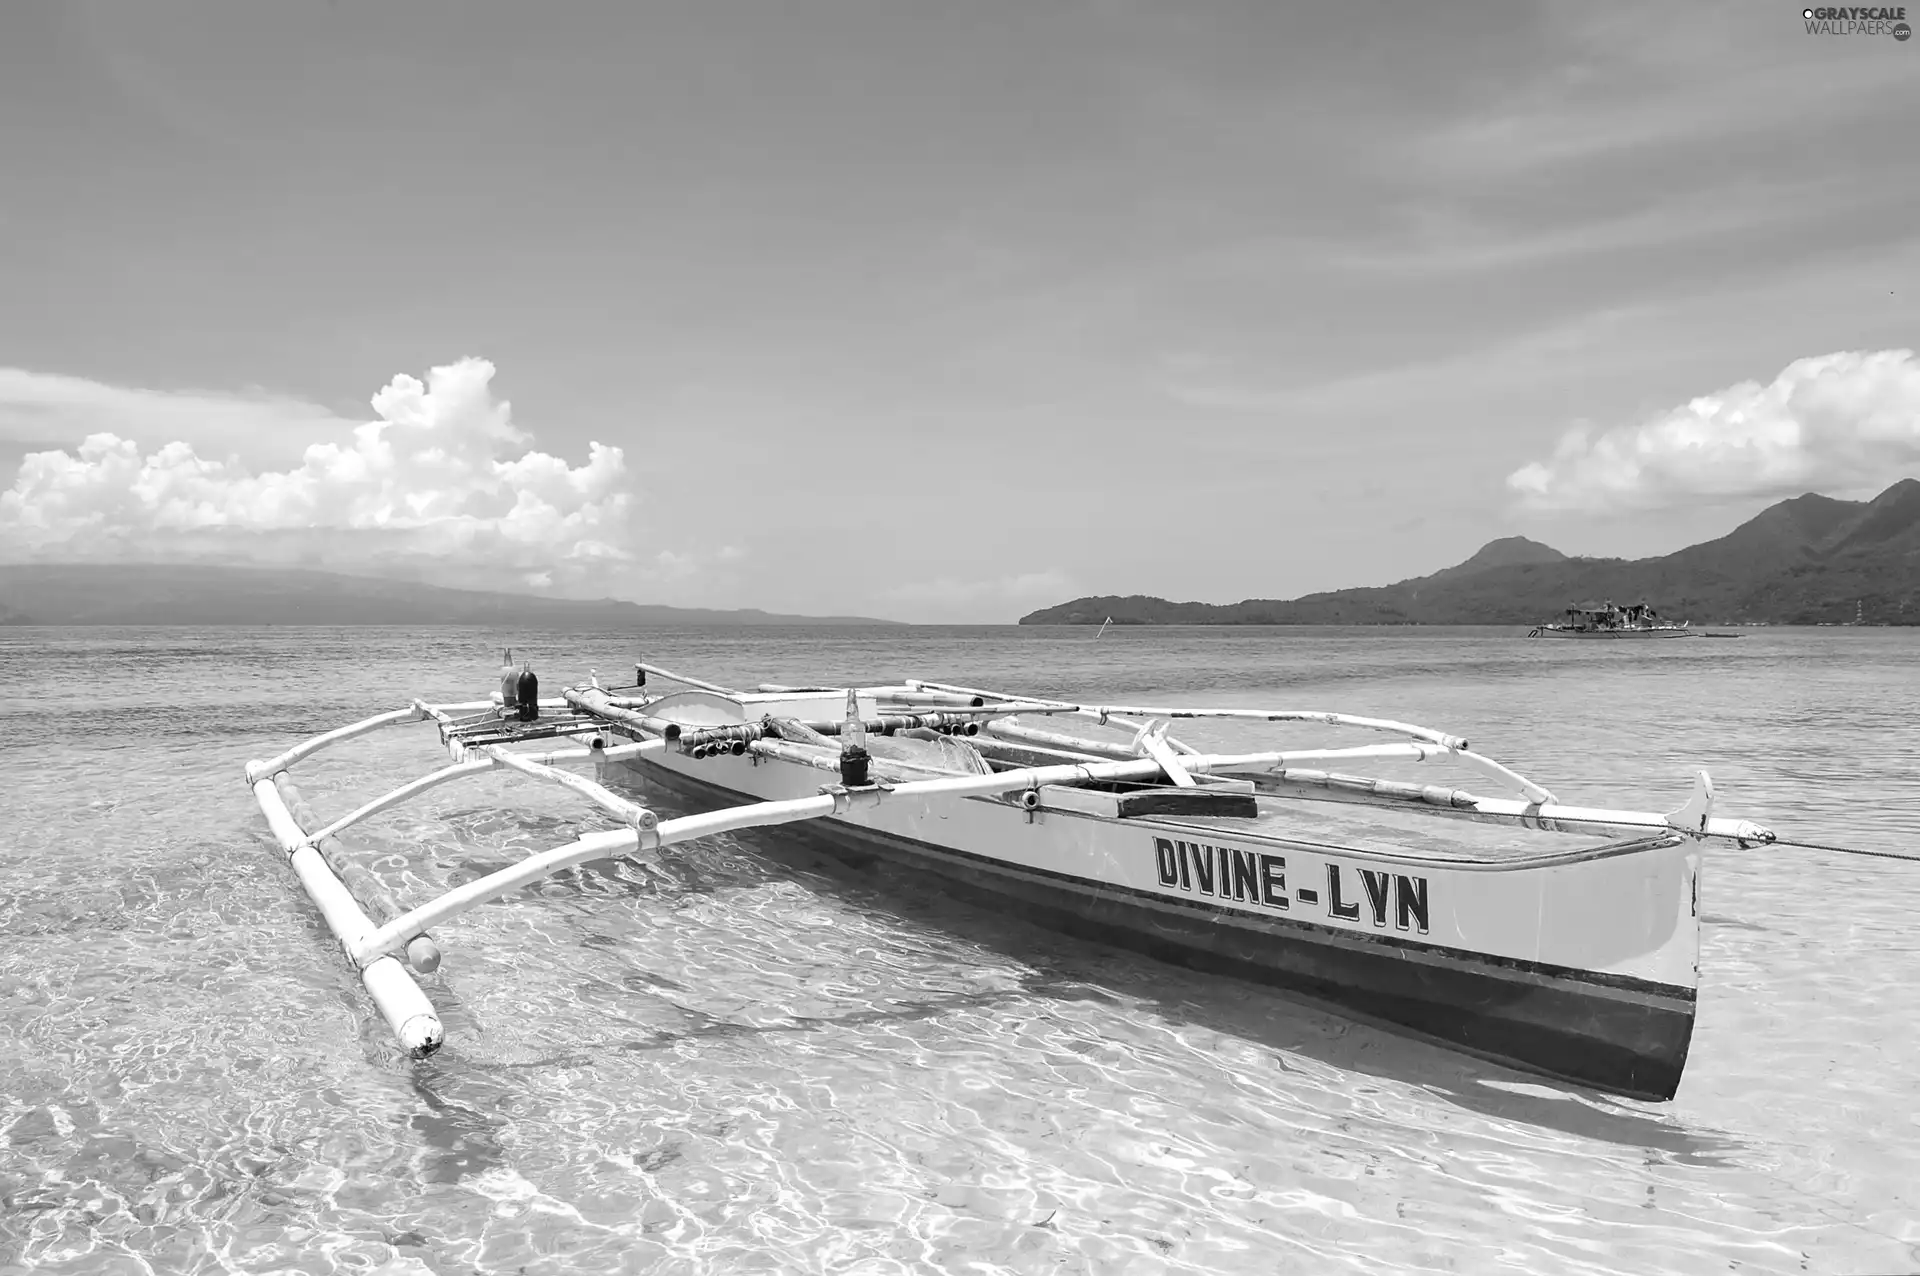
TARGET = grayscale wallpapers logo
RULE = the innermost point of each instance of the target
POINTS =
(1858, 20)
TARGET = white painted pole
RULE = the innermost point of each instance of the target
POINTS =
(1513, 779)
(412, 788)
(479, 766)
(1546, 817)
(615, 754)
(631, 812)
(406, 1009)
(471, 895)
(361, 882)
(671, 676)
(257, 770)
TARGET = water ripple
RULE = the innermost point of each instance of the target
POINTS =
(747, 1056)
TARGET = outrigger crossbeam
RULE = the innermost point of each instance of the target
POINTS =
(374, 929)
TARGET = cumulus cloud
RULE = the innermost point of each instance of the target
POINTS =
(1842, 424)
(441, 483)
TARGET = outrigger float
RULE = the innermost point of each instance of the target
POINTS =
(1558, 939)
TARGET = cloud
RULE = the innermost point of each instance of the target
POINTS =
(440, 483)
(1624, 80)
(1844, 423)
(47, 409)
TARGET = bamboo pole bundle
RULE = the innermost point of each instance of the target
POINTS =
(1105, 712)
(790, 751)
(1008, 729)
(601, 705)
(889, 724)
(996, 710)
(978, 695)
(914, 695)
(1297, 778)
(911, 695)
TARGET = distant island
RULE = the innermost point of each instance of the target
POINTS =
(150, 594)
(1806, 561)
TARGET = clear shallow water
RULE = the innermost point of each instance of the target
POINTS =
(744, 1058)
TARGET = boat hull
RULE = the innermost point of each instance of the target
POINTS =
(1618, 1020)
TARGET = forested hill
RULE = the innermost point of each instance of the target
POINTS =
(1808, 560)
(147, 594)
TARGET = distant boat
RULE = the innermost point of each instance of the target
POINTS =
(1103, 628)
(1609, 621)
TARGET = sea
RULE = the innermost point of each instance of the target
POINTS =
(744, 1056)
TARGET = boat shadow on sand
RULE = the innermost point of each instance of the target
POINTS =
(1059, 968)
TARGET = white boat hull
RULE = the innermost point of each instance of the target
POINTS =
(1581, 965)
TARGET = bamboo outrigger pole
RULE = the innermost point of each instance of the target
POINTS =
(405, 1008)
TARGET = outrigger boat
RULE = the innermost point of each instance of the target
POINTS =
(1558, 939)
(1637, 620)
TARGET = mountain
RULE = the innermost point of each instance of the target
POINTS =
(1508, 551)
(1809, 560)
(98, 594)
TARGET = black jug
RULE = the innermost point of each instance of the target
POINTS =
(526, 694)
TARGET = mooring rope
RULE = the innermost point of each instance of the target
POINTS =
(1845, 850)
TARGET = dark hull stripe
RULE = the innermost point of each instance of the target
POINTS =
(1627, 1037)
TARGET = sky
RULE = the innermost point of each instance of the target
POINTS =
(942, 312)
